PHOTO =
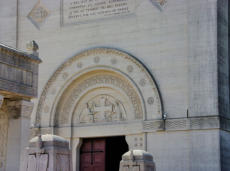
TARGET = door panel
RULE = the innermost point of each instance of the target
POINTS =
(99, 145)
(86, 168)
(99, 158)
(98, 168)
(86, 158)
(86, 146)
(93, 155)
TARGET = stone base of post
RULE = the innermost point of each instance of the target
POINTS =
(48, 153)
(137, 160)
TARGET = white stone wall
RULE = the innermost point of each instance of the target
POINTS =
(185, 150)
(8, 24)
(158, 38)
(177, 43)
(202, 57)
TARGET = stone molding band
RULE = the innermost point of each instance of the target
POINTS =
(182, 124)
(179, 124)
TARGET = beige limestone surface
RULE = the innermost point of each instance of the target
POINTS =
(175, 41)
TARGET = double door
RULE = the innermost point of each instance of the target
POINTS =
(93, 155)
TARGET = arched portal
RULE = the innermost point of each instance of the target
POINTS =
(98, 95)
(100, 92)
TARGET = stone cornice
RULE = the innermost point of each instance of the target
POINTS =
(20, 77)
(177, 124)
(185, 124)
(15, 52)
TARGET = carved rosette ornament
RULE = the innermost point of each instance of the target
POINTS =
(99, 91)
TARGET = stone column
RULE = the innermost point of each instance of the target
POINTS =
(18, 134)
(76, 145)
(3, 134)
(137, 160)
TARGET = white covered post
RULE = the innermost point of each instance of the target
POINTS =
(137, 160)
(48, 153)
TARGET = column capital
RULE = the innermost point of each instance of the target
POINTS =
(19, 108)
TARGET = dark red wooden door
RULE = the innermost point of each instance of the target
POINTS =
(93, 155)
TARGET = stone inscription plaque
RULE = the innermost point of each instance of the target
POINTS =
(76, 11)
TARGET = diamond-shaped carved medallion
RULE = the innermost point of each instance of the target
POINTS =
(38, 14)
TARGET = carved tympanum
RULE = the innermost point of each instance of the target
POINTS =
(102, 108)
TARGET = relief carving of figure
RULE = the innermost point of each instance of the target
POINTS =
(102, 108)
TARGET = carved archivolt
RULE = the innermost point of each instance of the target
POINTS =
(99, 85)
(104, 91)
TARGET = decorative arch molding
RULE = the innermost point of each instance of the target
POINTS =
(101, 75)
(97, 89)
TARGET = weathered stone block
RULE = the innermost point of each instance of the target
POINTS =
(48, 153)
(137, 160)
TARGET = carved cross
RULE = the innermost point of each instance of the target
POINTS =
(103, 108)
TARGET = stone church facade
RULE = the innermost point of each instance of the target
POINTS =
(153, 73)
